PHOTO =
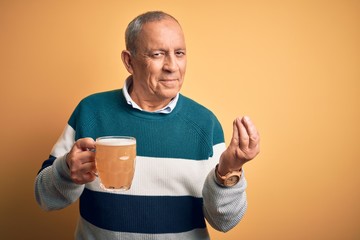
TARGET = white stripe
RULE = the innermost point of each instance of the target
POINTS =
(87, 231)
(64, 143)
(169, 176)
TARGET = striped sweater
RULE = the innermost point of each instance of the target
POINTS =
(174, 187)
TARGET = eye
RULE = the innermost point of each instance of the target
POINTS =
(157, 54)
(180, 53)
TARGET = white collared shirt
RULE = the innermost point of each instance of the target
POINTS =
(167, 109)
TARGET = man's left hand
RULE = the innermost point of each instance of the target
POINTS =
(244, 146)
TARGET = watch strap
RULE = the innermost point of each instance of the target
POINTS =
(229, 179)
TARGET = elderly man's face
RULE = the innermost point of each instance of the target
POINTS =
(160, 61)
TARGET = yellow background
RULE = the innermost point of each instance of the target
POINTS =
(292, 66)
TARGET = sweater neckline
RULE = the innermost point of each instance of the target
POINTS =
(149, 115)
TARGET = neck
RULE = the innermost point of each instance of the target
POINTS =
(149, 105)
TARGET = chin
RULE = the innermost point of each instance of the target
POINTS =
(170, 94)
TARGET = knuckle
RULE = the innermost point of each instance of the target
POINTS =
(239, 154)
(73, 173)
(71, 158)
(75, 179)
(254, 138)
(245, 138)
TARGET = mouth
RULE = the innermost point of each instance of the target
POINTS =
(169, 82)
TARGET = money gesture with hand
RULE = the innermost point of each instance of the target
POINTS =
(244, 146)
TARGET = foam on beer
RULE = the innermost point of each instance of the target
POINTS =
(116, 142)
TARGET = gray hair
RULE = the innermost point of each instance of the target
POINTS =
(135, 26)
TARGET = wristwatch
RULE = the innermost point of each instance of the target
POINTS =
(230, 179)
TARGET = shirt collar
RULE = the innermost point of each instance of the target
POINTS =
(166, 110)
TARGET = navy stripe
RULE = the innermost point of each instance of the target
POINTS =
(142, 214)
(47, 163)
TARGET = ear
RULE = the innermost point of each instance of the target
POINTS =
(126, 58)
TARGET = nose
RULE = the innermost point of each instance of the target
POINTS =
(170, 63)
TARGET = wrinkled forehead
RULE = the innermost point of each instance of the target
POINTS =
(163, 32)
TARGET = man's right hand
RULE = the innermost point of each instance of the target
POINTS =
(81, 161)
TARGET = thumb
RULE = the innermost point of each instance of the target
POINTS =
(84, 144)
(235, 135)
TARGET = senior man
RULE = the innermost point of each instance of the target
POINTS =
(184, 172)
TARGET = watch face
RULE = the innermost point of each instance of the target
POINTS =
(231, 181)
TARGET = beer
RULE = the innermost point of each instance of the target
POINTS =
(115, 162)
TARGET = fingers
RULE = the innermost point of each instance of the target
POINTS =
(83, 157)
(84, 144)
(245, 138)
(81, 161)
(241, 132)
(84, 174)
(244, 146)
(252, 135)
(235, 137)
